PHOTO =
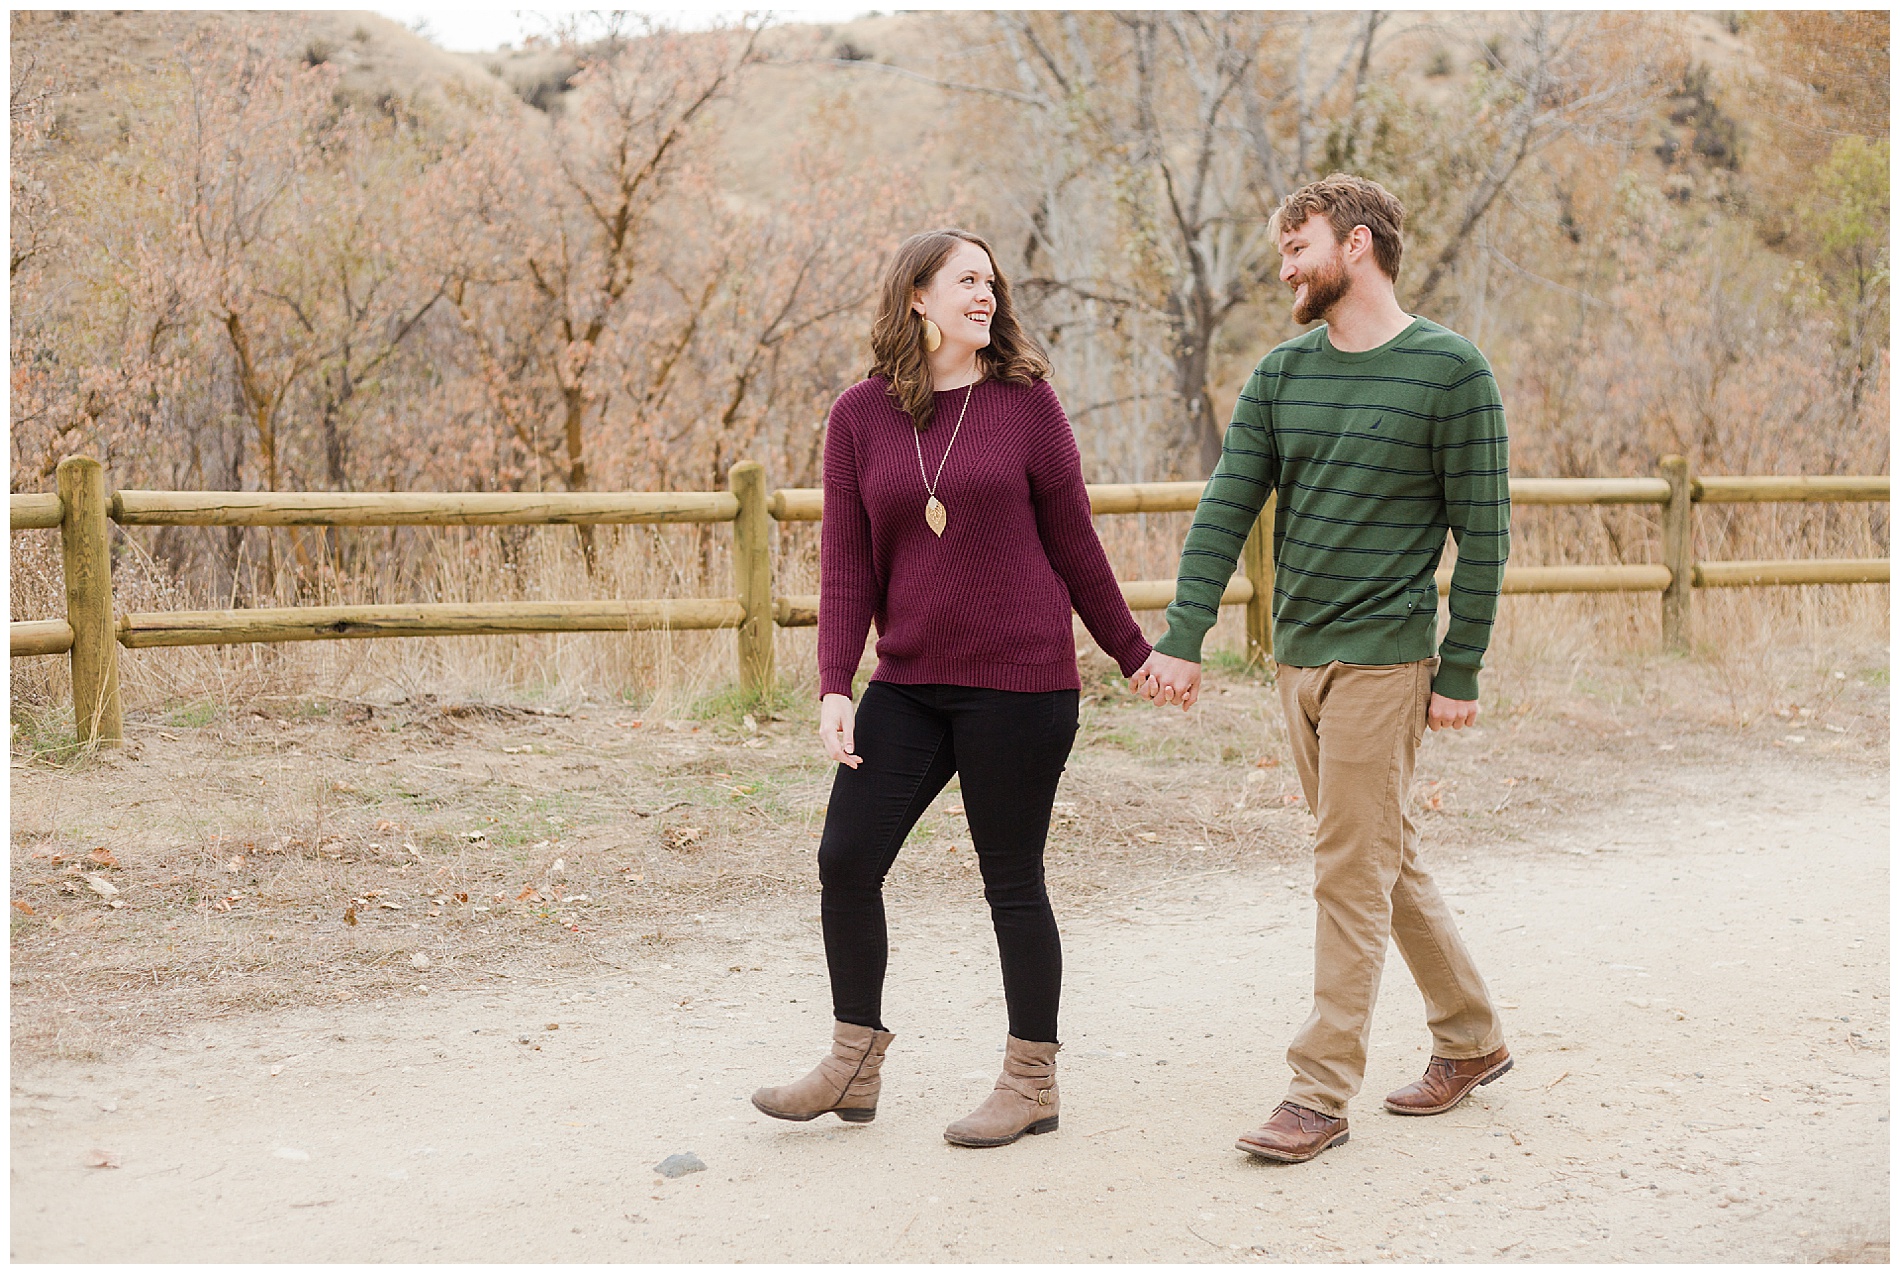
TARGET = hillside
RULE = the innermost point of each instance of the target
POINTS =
(629, 263)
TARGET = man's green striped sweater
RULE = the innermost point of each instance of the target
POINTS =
(1375, 455)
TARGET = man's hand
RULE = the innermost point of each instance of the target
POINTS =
(1451, 714)
(1165, 679)
(836, 718)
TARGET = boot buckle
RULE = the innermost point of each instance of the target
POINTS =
(1042, 1097)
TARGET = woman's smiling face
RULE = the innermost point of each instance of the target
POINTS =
(961, 298)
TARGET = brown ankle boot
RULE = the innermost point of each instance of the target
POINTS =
(1024, 1100)
(845, 1083)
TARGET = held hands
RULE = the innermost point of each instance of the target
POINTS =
(1451, 714)
(1165, 679)
(836, 719)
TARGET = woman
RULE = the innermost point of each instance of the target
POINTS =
(956, 519)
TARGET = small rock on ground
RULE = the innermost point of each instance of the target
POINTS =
(680, 1165)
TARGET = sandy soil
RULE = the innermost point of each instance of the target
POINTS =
(1694, 969)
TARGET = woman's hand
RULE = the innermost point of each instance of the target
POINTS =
(1165, 679)
(836, 720)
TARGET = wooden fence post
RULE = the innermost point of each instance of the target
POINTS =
(86, 545)
(1678, 544)
(1256, 558)
(752, 576)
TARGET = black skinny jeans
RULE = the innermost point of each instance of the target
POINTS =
(1009, 748)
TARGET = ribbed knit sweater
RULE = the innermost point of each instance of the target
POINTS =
(1374, 455)
(988, 603)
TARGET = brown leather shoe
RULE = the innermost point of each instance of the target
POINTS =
(1448, 1080)
(1294, 1134)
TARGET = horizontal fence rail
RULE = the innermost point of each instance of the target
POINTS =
(32, 511)
(1861, 570)
(41, 637)
(230, 508)
(91, 633)
(1790, 490)
(424, 619)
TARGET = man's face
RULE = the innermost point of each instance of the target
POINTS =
(1313, 265)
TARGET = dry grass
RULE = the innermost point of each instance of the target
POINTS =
(671, 671)
(269, 793)
(520, 833)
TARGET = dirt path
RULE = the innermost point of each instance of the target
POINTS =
(1697, 993)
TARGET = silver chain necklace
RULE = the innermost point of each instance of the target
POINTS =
(935, 515)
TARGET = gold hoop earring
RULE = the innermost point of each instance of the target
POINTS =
(933, 336)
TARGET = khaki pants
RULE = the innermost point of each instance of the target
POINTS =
(1355, 730)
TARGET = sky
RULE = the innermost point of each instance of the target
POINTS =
(477, 30)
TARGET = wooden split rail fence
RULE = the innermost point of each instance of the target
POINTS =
(92, 631)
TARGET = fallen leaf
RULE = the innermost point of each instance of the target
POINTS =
(26, 907)
(101, 886)
(392, 906)
(101, 1159)
(103, 857)
(554, 1026)
(681, 837)
(527, 892)
(384, 825)
(349, 915)
(461, 897)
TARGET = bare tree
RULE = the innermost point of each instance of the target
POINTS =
(1553, 75)
(570, 242)
(1165, 118)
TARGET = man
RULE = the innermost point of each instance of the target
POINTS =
(1379, 431)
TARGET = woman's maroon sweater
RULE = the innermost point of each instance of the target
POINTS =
(988, 604)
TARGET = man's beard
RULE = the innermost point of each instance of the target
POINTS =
(1324, 289)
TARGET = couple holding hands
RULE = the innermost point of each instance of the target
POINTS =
(1378, 430)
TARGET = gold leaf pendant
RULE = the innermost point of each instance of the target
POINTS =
(935, 515)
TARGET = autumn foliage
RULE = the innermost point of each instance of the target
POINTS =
(235, 266)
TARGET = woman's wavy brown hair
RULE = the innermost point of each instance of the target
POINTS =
(897, 336)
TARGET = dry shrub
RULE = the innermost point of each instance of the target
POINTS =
(468, 293)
